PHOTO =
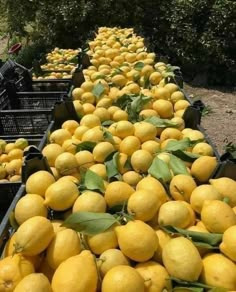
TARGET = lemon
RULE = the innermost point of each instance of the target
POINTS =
(29, 206)
(65, 244)
(171, 87)
(155, 78)
(227, 246)
(61, 195)
(87, 86)
(182, 186)
(74, 177)
(164, 108)
(180, 123)
(123, 278)
(103, 241)
(146, 113)
(151, 146)
(203, 148)
(161, 93)
(182, 259)
(12, 270)
(90, 201)
(176, 96)
(57, 225)
(145, 131)
(79, 131)
(77, 274)
(163, 238)
(226, 187)
(137, 240)
(203, 167)
(14, 167)
(217, 216)
(33, 236)
(15, 154)
(77, 92)
(202, 193)
(219, 271)
(59, 136)
(87, 108)
(131, 177)
(70, 125)
(51, 151)
(70, 145)
(102, 113)
(170, 133)
(119, 80)
(153, 185)
(34, 187)
(141, 160)
(90, 121)
(143, 205)
(84, 159)
(117, 193)
(181, 105)
(34, 283)
(102, 150)
(124, 129)
(174, 213)
(155, 276)
(194, 135)
(111, 258)
(129, 145)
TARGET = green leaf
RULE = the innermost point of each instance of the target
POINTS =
(190, 284)
(92, 181)
(123, 100)
(217, 289)
(111, 165)
(177, 165)
(98, 89)
(161, 123)
(192, 289)
(160, 170)
(178, 145)
(107, 123)
(139, 66)
(213, 239)
(139, 102)
(90, 223)
(108, 136)
(116, 72)
(86, 145)
(186, 156)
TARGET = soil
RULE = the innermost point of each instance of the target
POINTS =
(219, 121)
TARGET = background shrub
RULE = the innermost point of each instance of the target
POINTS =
(198, 35)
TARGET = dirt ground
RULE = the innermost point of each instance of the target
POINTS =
(220, 121)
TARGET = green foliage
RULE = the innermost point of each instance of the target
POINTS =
(197, 35)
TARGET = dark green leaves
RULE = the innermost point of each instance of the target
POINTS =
(139, 66)
(98, 90)
(207, 240)
(90, 223)
(160, 170)
(161, 123)
(87, 145)
(112, 166)
(92, 181)
(186, 156)
(178, 145)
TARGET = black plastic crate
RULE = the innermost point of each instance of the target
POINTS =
(20, 122)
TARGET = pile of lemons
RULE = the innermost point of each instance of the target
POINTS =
(133, 185)
(11, 159)
(59, 64)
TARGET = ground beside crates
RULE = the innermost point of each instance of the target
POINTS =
(220, 122)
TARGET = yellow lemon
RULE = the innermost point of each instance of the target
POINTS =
(33, 236)
(77, 273)
(102, 150)
(218, 271)
(141, 160)
(129, 145)
(29, 206)
(217, 216)
(137, 240)
(132, 178)
(155, 276)
(65, 244)
(164, 108)
(117, 193)
(51, 151)
(203, 148)
(163, 238)
(182, 259)
(182, 186)
(70, 125)
(90, 121)
(34, 283)
(203, 167)
(61, 195)
(59, 136)
(34, 187)
(90, 201)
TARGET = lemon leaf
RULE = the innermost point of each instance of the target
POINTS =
(160, 170)
(213, 239)
(107, 123)
(111, 164)
(161, 123)
(193, 289)
(92, 181)
(178, 145)
(98, 89)
(86, 145)
(177, 165)
(190, 284)
(139, 66)
(108, 136)
(90, 223)
(186, 156)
